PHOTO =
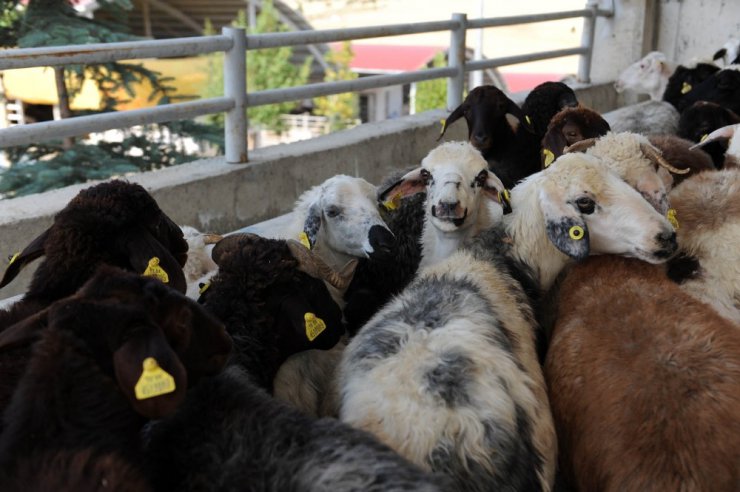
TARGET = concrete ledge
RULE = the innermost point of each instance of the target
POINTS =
(214, 196)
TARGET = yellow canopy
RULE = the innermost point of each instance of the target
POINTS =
(37, 85)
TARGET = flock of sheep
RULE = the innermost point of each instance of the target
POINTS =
(553, 304)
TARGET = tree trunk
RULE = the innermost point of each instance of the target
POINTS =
(63, 97)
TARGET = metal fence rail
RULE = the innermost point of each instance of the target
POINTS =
(235, 43)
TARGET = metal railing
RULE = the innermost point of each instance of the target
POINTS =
(235, 43)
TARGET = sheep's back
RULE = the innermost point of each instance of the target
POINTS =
(644, 383)
(446, 374)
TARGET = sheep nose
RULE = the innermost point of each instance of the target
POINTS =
(382, 241)
(668, 244)
(447, 208)
(480, 139)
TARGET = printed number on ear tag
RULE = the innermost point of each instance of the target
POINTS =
(672, 218)
(154, 381)
(314, 326)
(154, 270)
(549, 157)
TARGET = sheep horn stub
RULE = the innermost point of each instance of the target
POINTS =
(313, 265)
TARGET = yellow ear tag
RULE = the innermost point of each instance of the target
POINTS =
(13, 258)
(704, 137)
(444, 124)
(154, 270)
(393, 202)
(504, 196)
(314, 326)
(549, 157)
(154, 381)
(529, 120)
(686, 87)
(671, 216)
(576, 233)
(204, 287)
(303, 238)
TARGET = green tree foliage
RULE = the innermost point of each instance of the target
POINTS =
(40, 167)
(269, 68)
(432, 94)
(340, 109)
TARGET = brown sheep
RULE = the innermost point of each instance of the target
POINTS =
(644, 383)
(569, 126)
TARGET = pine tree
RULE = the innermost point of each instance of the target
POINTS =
(40, 167)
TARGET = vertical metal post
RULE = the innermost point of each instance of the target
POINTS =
(456, 59)
(235, 87)
(587, 41)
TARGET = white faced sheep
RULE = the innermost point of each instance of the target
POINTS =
(459, 188)
(708, 214)
(644, 383)
(86, 393)
(447, 373)
(115, 223)
(230, 431)
(500, 130)
(339, 220)
(648, 75)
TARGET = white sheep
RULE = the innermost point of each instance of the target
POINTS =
(339, 220)
(648, 75)
(459, 189)
(199, 267)
(447, 373)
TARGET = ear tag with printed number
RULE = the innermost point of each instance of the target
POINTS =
(154, 381)
(314, 326)
(154, 270)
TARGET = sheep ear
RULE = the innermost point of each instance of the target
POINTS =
(227, 245)
(150, 374)
(552, 146)
(409, 184)
(720, 54)
(453, 117)
(516, 118)
(724, 133)
(149, 257)
(565, 227)
(34, 250)
(494, 189)
(24, 331)
(178, 244)
(311, 226)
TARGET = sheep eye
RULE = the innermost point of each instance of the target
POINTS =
(586, 205)
(481, 179)
(332, 211)
(425, 175)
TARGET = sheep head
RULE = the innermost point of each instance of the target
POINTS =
(569, 126)
(342, 214)
(456, 180)
(589, 210)
(491, 117)
(115, 223)
(647, 75)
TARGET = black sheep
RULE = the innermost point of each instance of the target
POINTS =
(115, 223)
(375, 281)
(722, 87)
(500, 130)
(270, 307)
(684, 80)
(231, 434)
(77, 412)
(545, 101)
(702, 118)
